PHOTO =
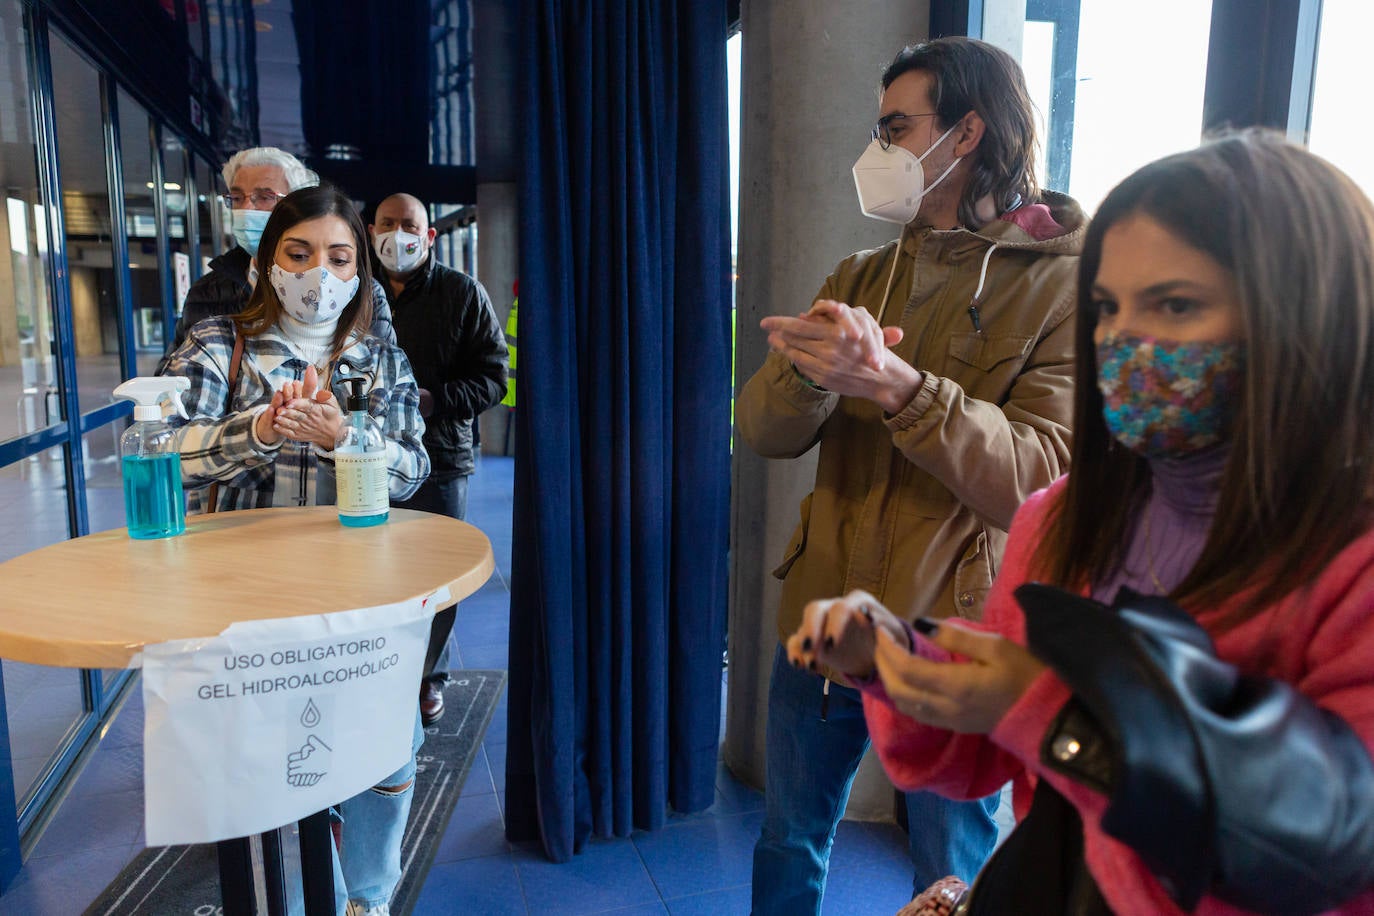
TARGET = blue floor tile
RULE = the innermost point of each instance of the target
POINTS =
(482, 626)
(117, 768)
(487, 886)
(493, 657)
(870, 871)
(496, 759)
(474, 831)
(112, 819)
(607, 874)
(479, 780)
(704, 856)
(734, 797)
(61, 885)
(731, 901)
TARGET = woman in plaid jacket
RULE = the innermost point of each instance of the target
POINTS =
(265, 436)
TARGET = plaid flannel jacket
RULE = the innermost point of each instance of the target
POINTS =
(217, 443)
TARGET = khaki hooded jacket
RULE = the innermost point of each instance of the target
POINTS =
(915, 507)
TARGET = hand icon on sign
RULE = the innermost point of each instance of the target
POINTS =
(308, 765)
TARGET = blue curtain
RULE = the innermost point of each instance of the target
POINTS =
(618, 590)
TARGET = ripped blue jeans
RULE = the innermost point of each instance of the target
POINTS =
(368, 867)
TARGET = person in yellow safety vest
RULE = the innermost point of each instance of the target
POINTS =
(511, 325)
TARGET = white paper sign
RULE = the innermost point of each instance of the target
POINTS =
(274, 720)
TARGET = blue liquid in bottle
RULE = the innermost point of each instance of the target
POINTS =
(153, 497)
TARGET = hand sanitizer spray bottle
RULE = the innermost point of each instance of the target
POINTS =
(153, 503)
(360, 464)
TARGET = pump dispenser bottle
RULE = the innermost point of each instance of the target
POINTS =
(154, 506)
(360, 464)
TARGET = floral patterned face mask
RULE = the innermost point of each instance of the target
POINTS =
(1164, 399)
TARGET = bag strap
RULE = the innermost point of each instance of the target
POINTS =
(212, 498)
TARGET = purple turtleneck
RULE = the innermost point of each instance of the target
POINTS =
(1167, 534)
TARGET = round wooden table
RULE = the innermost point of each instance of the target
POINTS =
(96, 601)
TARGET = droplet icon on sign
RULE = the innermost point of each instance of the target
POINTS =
(311, 717)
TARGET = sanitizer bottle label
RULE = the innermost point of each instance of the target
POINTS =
(361, 482)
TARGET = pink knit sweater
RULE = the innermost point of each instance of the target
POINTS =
(1325, 649)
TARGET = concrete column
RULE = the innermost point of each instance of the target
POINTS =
(495, 68)
(810, 73)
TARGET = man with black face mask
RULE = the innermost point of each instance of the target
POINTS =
(448, 329)
(936, 374)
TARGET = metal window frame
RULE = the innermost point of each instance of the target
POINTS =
(1064, 15)
(1261, 64)
(1261, 59)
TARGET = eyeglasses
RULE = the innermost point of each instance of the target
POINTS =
(261, 200)
(882, 131)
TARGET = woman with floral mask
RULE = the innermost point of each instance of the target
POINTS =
(264, 415)
(1186, 708)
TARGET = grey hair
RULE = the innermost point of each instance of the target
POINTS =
(297, 175)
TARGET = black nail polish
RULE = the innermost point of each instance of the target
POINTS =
(812, 664)
(925, 626)
(806, 644)
(829, 643)
(796, 663)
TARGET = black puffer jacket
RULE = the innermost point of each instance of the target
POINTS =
(445, 323)
(224, 290)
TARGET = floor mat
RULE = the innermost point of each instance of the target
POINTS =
(177, 880)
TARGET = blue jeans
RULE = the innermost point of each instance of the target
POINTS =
(368, 867)
(442, 496)
(811, 766)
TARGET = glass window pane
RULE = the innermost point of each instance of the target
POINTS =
(86, 218)
(1127, 109)
(28, 373)
(104, 487)
(174, 171)
(145, 277)
(43, 704)
(1340, 129)
(33, 503)
(207, 215)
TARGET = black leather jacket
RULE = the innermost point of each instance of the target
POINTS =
(224, 290)
(457, 349)
(1224, 783)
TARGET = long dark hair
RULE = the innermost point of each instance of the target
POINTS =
(971, 75)
(264, 309)
(1298, 237)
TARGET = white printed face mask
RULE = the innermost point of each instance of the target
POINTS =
(313, 296)
(399, 251)
(891, 182)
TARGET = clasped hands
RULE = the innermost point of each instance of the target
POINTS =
(857, 636)
(845, 350)
(302, 412)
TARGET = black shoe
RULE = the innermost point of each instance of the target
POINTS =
(431, 701)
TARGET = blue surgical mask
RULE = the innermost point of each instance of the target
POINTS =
(248, 226)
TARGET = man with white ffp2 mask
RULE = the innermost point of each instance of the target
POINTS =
(457, 349)
(936, 375)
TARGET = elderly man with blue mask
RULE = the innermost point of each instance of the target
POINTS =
(256, 178)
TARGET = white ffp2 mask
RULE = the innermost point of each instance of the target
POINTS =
(891, 182)
(399, 251)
